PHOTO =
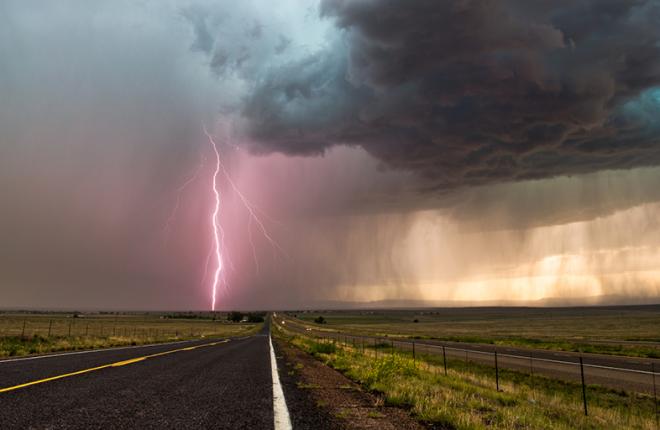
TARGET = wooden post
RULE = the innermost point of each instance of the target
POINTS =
(50, 326)
(531, 370)
(69, 335)
(23, 332)
(444, 359)
(584, 389)
(414, 358)
(655, 395)
(497, 373)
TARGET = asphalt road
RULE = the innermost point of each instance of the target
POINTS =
(619, 372)
(202, 384)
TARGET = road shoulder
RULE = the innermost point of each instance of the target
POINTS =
(322, 398)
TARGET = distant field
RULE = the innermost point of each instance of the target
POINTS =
(33, 333)
(624, 330)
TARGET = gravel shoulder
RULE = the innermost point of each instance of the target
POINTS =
(319, 397)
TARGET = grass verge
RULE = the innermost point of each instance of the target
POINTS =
(467, 399)
(15, 346)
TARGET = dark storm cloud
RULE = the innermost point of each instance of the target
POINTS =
(473, 92)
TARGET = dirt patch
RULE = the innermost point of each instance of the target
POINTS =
(342, 401)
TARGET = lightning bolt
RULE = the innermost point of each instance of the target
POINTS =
(218, 233)
(170, 220)
(217, 242)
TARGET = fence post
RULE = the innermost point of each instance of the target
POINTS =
(23, 332)
(50, 326)
(584, 389)
(497, 373)
(392, 343)
(444, 359)
(531, 369)
(655, 394)
(425, 353)
(69, 335)
(376, 348)
(414, 358)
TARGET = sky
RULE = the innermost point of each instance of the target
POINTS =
(374, 152)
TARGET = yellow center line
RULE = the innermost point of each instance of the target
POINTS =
(105, 366)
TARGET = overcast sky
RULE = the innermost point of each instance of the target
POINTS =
(393, 150)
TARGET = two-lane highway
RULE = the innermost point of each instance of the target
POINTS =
(200, 384)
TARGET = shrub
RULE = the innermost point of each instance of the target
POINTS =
(319, 320)
(235, 316)
(323, 348)
(388, 367)
(255, 318)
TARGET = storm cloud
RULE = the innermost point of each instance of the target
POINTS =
(473, 92)
(396, 150)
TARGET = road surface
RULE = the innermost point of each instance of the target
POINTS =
(221, 383)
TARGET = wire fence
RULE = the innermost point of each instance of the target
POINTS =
(79, 327)
(580, 371)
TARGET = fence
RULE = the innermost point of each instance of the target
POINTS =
(637, 379)
(101, 328)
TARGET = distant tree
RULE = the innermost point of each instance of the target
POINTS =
(255, 317)
(319, 320)
(235, 316)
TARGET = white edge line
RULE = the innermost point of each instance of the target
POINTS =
(280, 411)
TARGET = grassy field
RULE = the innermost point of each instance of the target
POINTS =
(466, 397)
(625, 330)
(37, 333)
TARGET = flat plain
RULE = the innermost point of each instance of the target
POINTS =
(25, 333)
(619, 330)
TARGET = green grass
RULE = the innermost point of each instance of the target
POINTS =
(323, 348)
(604, 330)
(466, 398)
(25, 334)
